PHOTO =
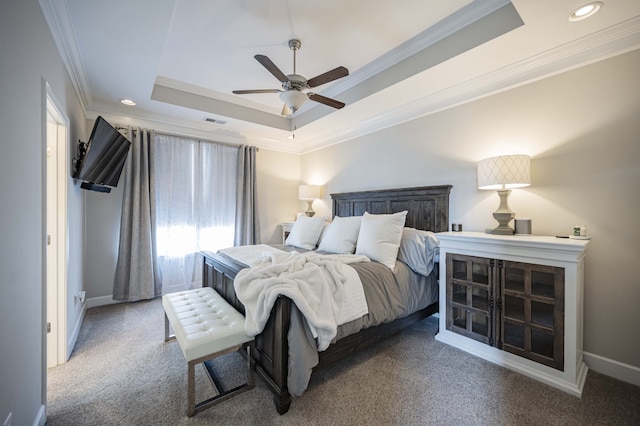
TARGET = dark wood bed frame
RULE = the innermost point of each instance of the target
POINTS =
(428, 209)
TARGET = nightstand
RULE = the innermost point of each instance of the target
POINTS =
(516, 301)
(286, 228)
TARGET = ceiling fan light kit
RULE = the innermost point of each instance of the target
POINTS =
(293, 99)
(294, 86)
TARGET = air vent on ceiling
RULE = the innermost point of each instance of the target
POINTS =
(214, 120)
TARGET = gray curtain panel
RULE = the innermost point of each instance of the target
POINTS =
(137, 275)
(246, 227)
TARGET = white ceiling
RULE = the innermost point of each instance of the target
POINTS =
(181, 59)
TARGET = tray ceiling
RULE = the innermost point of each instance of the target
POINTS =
(180, 60)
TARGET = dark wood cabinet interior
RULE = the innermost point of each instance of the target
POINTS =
(516, 307)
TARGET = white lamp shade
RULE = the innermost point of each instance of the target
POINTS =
(504, 172)
(308, 192)
(293, 99)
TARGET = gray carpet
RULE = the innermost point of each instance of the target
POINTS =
(122, 373)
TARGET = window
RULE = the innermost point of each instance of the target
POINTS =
(195, 205)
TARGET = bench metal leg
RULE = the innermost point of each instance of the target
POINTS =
(193, 407)
(167, 325)
(191, 389)
(250, 362)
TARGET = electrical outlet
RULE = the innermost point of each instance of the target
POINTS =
(80, 297)
(9, 420)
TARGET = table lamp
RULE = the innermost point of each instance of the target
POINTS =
(504, 173)
(309, 193)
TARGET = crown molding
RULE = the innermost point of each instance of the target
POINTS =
(189, 128)
(466, 29)
(453, 23)
(604, 44)
(57, 17)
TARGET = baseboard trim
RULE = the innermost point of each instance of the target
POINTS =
(73, 338)
(609, 367)
(101, 301)
(41, 417)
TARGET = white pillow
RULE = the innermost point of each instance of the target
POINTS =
(379, 237)
(418, 249)
(341, 235)
(305, 232)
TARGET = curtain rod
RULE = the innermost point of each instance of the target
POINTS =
(166, 133)
(162, 132)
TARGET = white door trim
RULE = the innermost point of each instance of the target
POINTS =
(54, 109)
(51, 229)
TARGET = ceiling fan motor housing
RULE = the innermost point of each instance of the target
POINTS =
(296, 82)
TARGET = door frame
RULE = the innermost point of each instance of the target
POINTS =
(57, 289)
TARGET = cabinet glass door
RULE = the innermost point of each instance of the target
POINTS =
(532, 311)
(470, 297)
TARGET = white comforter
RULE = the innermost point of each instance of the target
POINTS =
(325, 289)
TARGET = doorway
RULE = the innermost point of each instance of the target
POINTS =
(57, 136)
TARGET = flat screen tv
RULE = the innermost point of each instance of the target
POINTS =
(100, 161)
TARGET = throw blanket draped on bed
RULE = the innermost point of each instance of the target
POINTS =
(320, 285)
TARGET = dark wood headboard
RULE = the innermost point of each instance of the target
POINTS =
(427, 206)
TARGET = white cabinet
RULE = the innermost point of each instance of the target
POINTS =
(516, 301)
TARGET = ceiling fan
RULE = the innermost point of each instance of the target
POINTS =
(294, 86)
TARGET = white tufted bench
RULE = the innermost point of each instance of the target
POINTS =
(206, 327)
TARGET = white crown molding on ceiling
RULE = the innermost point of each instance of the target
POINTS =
(189, 128)
(189, 96)
(57, 17)
(475, 27)
(604, 44)
(448, 26)
(177, 127)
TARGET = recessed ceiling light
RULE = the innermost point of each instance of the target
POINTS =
(128, 102)
(586, 11)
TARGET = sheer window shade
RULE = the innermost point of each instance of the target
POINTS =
(196, 185)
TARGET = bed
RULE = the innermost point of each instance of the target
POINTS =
(427, 209)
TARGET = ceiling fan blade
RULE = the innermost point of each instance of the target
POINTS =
(328, 76)
(246, 92)
(324, 100)
(271, 67)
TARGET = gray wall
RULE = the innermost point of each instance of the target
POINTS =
(102, 229)
(582, 131)
(28, 56)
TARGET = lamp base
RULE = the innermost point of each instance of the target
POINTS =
(309, 211)
(503, 215)
(500, 230)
